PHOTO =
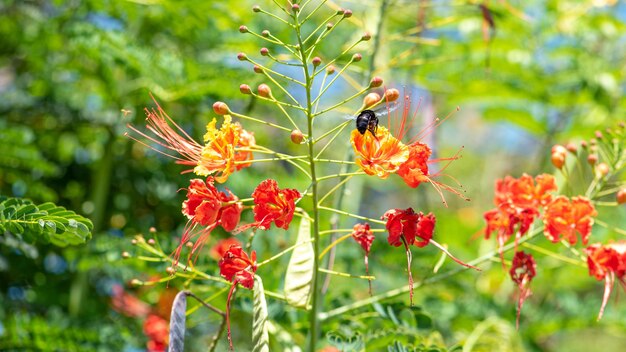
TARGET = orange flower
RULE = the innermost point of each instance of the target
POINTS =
(517, 205)
(606, 262)
(564, 217)
(219, 155)
(378, 155)
(523, 192)
(415, 170)
(523, 270)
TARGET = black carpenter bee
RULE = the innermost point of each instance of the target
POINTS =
(367, 121)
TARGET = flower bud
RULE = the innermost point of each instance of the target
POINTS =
(220, 108)
(265, 51)
(602, 169)
(330, 70)
(371, 99)
(242, 57)
(621, 124)
(258, 69)
(265, 33)
(571, 147)
(598, 135)
(125, 255)
(593, 141)
(366, 36)
(244, 89)
(297, 137)
(592, 159)
(153, 229)
(134, 282)
(295, 8)
(347, 13)
(621, 195)
(151, 242)
(316, 61)
(392, 94)
(376, 82)
(558, 149)
(256, 8)
(243, 29)
(356, 57)
(264, 90)
(558, 160)
(170, 270)
(583, 144)
(133, 241)
(341, 11)
(189, 244)
(329, 25)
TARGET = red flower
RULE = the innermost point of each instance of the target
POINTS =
(606, 262)
(564, 217)
(205, 206)
(364, 237)
(408, 227)
(157, 331)
(237, 267)
(222, 246)
(127, 304)
(272, 204)
(523, 270)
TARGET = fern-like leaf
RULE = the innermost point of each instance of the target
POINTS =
(44, 223)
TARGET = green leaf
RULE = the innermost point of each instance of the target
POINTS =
(300, 269)
(45, 223)
(260, 337)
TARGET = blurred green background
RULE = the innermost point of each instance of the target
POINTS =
(526, 74)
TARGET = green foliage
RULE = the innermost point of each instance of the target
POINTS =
(43, 223)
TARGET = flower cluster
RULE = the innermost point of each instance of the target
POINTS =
(517, 202)
(383, 153)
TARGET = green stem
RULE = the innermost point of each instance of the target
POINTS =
(260, 121)
(352, 215)
(332, 272)
(436, 278)
(313, 320)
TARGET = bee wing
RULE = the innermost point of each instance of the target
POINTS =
(348, 117)
(386, 110)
